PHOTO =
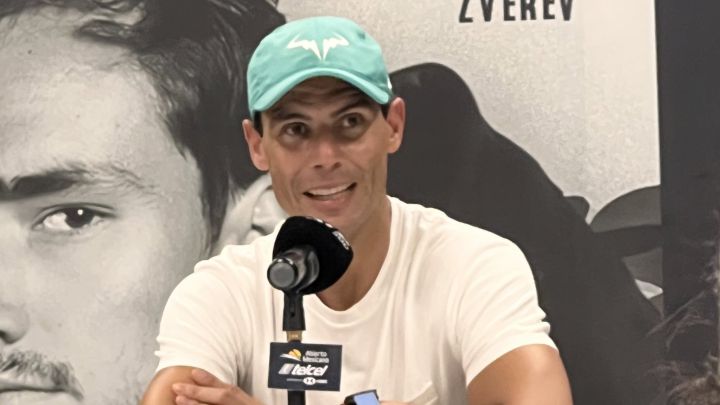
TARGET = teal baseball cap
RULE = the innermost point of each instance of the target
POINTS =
(314, 47)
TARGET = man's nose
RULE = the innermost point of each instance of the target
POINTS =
(14, 319)
(326, 151)
(14, 323)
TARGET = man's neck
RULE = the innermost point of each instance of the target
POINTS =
(370, 246)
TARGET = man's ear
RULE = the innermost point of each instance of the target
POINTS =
(396, 120)
(254, 141)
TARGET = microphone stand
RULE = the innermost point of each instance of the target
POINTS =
(299, 247)
(294, 325)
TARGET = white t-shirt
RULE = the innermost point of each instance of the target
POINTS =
(449, 300)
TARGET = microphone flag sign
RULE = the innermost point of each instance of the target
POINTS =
(305, 367)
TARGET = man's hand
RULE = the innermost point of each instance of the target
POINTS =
(207, 389)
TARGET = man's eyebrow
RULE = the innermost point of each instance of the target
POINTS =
(359, 101)
(70, 176)
(282, 114)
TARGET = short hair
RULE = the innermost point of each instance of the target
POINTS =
(196, 54)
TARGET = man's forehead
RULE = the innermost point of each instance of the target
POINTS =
(49, 70)
(46, 40)
(65, 98)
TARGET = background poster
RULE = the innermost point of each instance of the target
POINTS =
(535, 119)
(541, 125)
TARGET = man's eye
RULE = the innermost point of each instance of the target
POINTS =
(352, 121)
(352, 126)
(71, 219)
(295, 129)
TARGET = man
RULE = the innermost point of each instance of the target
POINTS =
(118, 157)
(429, 311)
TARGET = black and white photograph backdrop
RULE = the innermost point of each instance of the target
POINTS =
(585, 131)
(538, 122)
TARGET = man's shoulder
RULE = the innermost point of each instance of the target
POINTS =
(431, 225)
(429, 239)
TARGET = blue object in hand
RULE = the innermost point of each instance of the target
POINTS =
(363, 398)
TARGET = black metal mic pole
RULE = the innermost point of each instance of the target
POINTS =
(296, 397)
(294, 325)
(301, 246)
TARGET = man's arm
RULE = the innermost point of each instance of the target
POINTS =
(199, 331)
(160, 392)
(191, 386)
(532, 375)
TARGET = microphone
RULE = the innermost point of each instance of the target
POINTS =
(309, 256)
(294, 269)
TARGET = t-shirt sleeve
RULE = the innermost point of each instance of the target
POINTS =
(496, 309)
(205, 326)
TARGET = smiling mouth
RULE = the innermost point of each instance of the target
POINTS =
(330, 192)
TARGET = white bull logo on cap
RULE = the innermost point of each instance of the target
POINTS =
(312, 45)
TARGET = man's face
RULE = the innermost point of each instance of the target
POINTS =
(325, 145)
(100, 217)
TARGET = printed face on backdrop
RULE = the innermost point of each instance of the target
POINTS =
(325, 145)
(100, 217)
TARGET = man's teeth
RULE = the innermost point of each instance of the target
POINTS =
(322, 192)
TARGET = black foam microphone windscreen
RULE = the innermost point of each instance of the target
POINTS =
(333, 251)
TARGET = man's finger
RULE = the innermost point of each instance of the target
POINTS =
(183, 400)
(193, 394)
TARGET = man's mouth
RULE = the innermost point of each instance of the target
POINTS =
(328, 193)
(30, 371)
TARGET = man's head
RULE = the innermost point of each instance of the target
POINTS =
(119, 147)
(325, 120)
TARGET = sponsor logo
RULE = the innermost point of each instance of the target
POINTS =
(312, 45)
(302, 366)
(298, 370)
(286, 368)
(293, 354)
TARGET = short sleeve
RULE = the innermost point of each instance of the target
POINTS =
(496, 308)
(205, 326)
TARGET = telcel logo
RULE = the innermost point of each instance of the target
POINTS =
(296, 369)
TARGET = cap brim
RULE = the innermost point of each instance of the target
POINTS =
(277, 91)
